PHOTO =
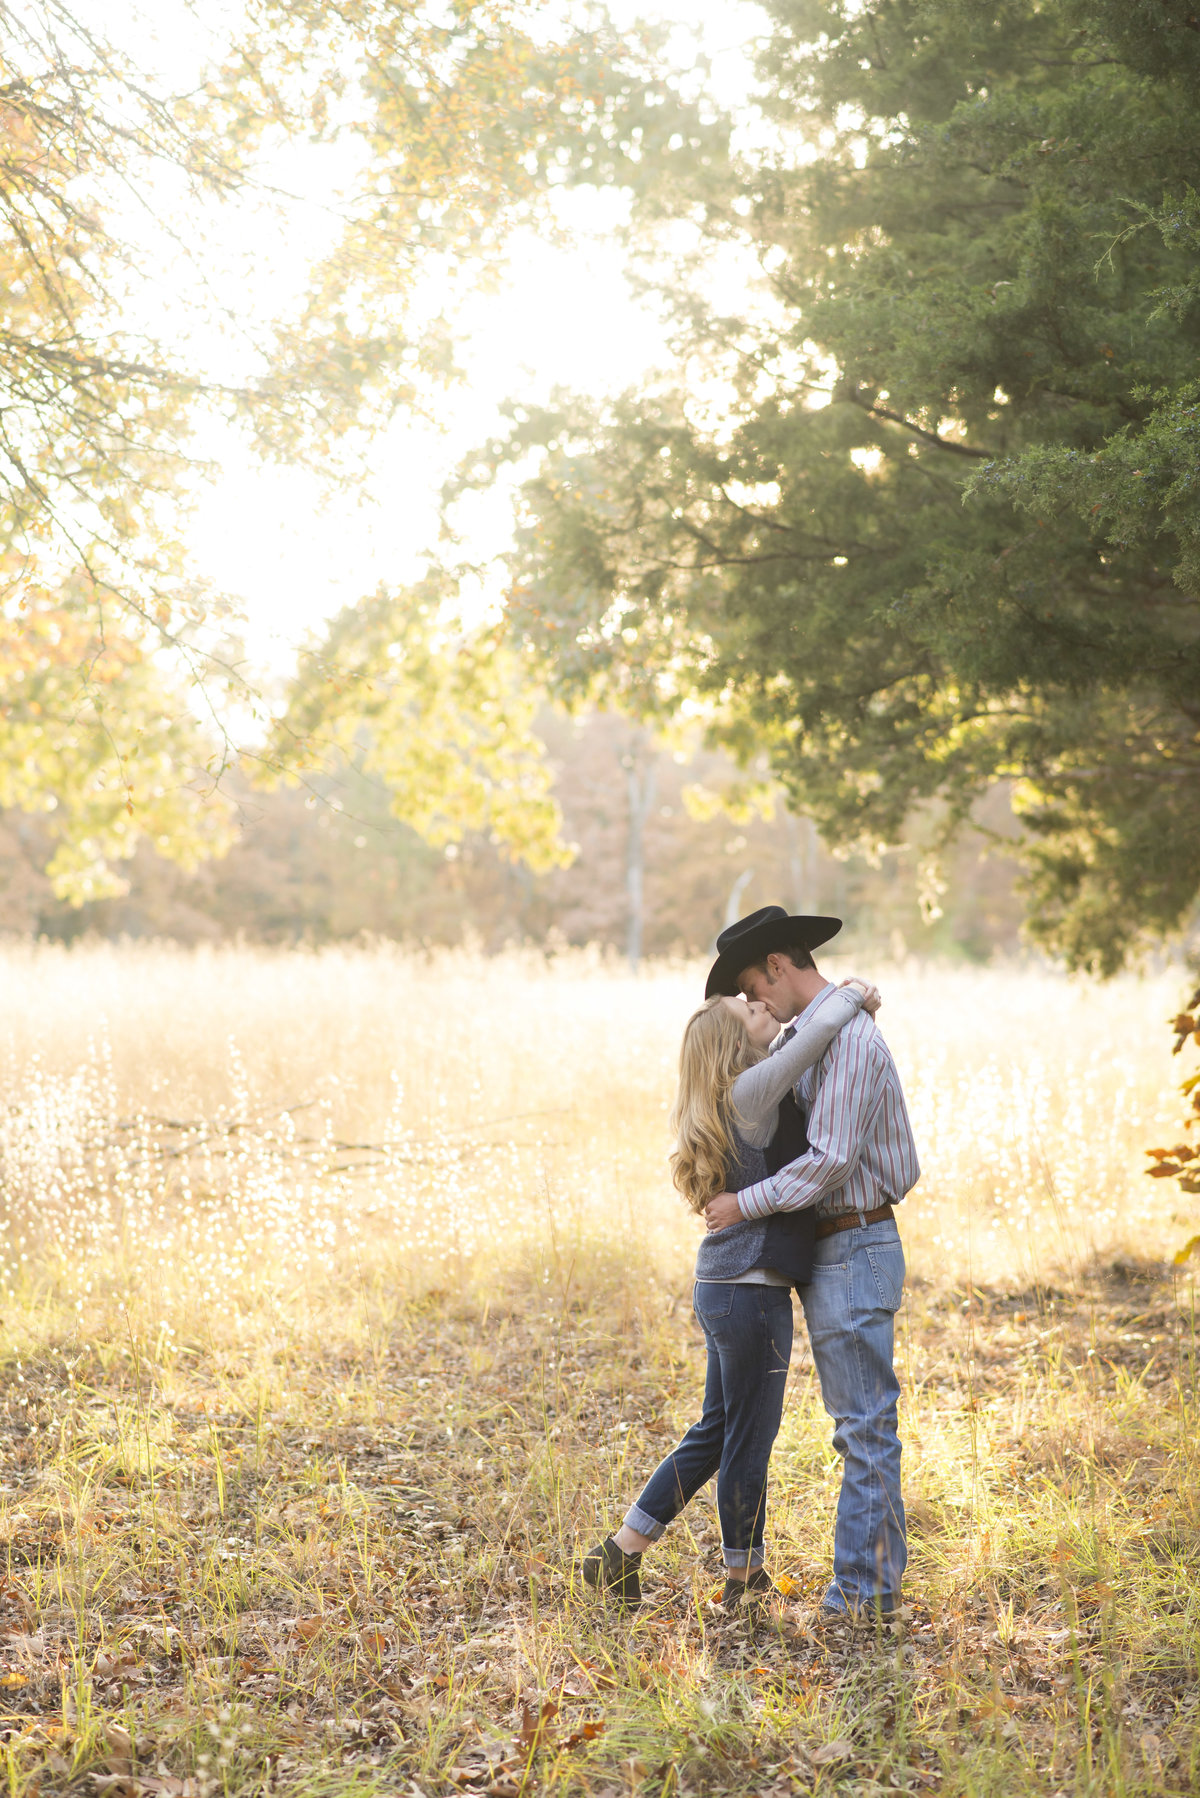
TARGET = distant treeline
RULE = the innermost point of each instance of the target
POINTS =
(329, 863)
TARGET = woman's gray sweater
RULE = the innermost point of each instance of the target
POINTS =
(725, 1254)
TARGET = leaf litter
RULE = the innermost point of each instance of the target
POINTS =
(291, 1617)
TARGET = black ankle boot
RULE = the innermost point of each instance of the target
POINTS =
(752, 1591)
(610, 1569)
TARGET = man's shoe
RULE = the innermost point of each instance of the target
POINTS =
(611, 1570)
(748, 1594)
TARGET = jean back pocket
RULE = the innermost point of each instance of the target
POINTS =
(887, 1266)
(712, 1299)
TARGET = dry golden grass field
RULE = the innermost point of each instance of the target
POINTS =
(345, 1298)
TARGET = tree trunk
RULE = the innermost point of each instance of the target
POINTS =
(733, 907)
(641, 779)
(802, 863)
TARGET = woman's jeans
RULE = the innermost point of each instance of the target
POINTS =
(748, 1330)
(850, 1307)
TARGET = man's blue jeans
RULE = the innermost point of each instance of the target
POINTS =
(850, 1307)
(748, 1330)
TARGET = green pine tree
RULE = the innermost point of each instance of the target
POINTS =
(923, 515)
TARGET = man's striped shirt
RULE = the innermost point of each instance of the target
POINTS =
(861, 1149)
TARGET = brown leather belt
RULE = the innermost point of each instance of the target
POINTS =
(853, 1220)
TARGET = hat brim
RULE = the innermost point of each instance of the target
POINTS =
(775, 933)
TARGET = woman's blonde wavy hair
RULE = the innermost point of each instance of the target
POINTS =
(716, 1048)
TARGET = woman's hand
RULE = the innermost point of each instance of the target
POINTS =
(872, 998)
(722, 1211)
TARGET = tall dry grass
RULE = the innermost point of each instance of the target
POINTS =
(213, 1125)
(344, 1300)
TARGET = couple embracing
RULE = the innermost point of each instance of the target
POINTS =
(795, 1147)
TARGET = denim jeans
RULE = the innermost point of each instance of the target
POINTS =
(850, 1307)
(748, 1330)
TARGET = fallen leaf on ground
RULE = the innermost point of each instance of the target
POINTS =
(109, 1664)
(998, 1705)
(589, 1678)
(587, 1733)
(832, 1751)
(535, 1725)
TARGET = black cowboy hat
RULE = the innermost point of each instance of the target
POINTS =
(752, 939)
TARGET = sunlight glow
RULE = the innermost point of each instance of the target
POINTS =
(292, 552)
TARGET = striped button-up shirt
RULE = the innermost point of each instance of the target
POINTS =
(861, 1150)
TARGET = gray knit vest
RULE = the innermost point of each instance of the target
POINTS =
(784, 1241)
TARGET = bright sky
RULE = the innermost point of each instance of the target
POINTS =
(566, 316)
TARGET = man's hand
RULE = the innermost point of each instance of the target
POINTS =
(722, 1211)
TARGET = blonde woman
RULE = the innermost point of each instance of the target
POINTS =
(735, 1121)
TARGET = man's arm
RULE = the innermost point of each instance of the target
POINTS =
(848, 1096)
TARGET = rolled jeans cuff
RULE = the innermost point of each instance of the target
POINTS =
(744, 1557)
(641, 1521)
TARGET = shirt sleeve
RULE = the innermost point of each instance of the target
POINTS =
(757, 1091)
(848, 1096)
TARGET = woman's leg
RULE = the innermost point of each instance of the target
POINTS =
(748, 1330)
(680, 1476)
(614, 1564)
(753, 1340)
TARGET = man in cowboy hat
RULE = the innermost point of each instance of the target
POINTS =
(860, 1162)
